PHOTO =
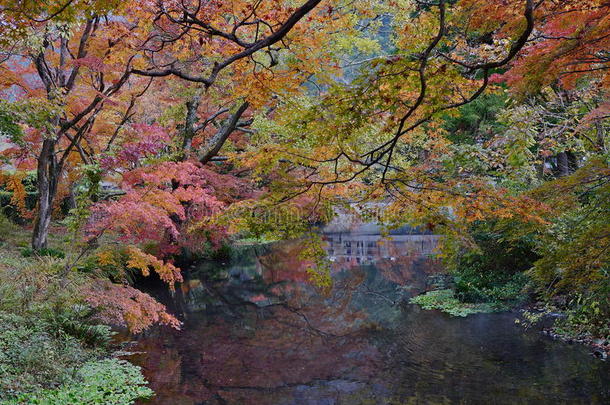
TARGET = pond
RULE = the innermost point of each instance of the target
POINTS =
(259, 333)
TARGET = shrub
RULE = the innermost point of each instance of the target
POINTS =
(6, 227)
(32, 358)
(79, 322)
(588, 315)
(480, 286)
(29, 252)
(35, 286)
(494, 271)
(101, 382)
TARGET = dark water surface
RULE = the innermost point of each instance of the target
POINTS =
(261, 334)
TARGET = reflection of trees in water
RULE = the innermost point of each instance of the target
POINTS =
(402, 259)
(411, 270)
(267, 336)
(228, 360)
(284, 264)
(256, 351)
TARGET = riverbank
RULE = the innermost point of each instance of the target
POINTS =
(549, 320)
(53, 349)
(552, 322)
(600, 347)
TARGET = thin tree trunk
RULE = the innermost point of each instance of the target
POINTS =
(572, 161)
(47, 177)
(601, 135)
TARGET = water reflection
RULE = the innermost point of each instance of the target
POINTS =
(368, 249)
(261, 334)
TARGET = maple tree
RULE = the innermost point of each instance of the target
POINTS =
(86, 74)
(61, 71)
(79, 74)
(382, 138)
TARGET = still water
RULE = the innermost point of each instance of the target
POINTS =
(258, 333)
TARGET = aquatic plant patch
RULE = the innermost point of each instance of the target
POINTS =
(446, 301)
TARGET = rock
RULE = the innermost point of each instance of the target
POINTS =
(600, 354)
(556, 315)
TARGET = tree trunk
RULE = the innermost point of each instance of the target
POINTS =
(214, 145)
(188, 132)
(601, 135)
(70, 200)
(563, 166)
(47, 177)
(572, 161)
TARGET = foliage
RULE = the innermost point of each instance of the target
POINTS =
(8, 127)
(476, 122)
(167, 206)
(579, 53)
(574, 247)
(51, 252)
(445, 300)
(6, 228)
(35, 285)
(578, 317)
(487, 275)
(157, 202)
(35, 356)
(79, 322)
(75, 301)
(491, 270)
(109, 381)
(51, 342)
(126, 306)
(19, 187)
(479, 286)
(587, 315)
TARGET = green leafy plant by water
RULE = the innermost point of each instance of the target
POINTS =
(102, 382)
(34, 358)
(587, 315)
(446, 301)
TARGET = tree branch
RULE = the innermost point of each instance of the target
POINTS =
(214, 145)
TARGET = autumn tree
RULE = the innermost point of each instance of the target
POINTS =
(82, 56)
(379, 137)
(383, 137)
(60, 59)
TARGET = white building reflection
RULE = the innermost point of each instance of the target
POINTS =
(370, 248)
